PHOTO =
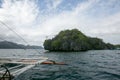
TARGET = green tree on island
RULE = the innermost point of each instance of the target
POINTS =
(74, 40)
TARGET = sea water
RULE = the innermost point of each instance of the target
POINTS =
(89, 65)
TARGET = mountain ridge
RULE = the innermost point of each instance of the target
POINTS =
(13, 45)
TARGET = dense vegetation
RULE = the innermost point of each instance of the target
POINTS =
(74, 40)
(11, 45)
(117, 46)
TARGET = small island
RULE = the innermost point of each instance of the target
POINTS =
(75, 40)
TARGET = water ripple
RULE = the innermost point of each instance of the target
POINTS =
(90, 65)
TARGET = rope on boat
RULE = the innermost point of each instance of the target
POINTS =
(7, 26)
(6, 74)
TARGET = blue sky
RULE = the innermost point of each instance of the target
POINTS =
(41, 18)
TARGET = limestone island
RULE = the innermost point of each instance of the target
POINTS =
(75, 40)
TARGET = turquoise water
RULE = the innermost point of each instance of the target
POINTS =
(90, 65)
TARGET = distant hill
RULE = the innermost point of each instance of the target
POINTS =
(75, 40)
(12, 45)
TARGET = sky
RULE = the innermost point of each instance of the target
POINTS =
(37, 20)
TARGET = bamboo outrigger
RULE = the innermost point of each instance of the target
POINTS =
(12, 67)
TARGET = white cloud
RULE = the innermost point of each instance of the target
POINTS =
(56, 3)
(53, 4)
(22, 15)
(19, 15)
(76, 18)
(22, 12)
